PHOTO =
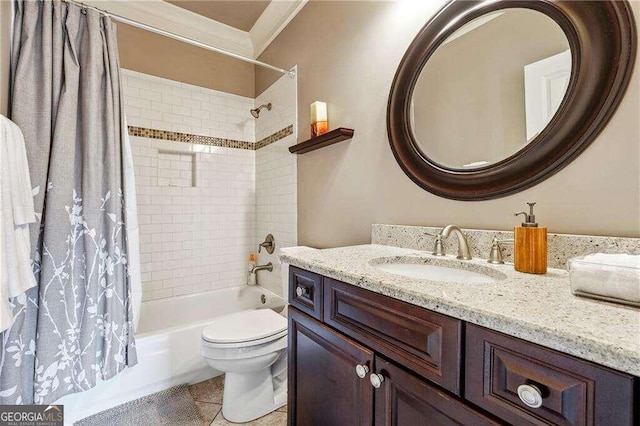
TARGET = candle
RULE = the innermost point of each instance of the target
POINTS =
(319, 122)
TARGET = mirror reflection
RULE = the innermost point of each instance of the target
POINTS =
(490, 88)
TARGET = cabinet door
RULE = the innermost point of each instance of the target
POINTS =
(324, 388)
(404, 399)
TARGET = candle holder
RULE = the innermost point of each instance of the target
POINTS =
(319, 122)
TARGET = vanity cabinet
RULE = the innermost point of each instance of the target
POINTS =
(330, 384)
(360, 358)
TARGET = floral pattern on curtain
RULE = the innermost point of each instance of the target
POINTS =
(76, 326)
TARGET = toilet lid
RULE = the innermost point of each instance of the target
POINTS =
(244, 326)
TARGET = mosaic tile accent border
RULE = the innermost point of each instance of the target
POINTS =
(280, 134)
(209, 140)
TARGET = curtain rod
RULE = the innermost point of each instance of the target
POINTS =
(183, 39)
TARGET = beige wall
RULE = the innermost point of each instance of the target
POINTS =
(161, 56)
(469, 100)
(153, 54)
(347, 54)
(5, 53)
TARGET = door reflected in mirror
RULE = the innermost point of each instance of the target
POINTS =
(490, 88)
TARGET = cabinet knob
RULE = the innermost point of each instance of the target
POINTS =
(376, 380)
(300, 291)
(530, 395)
(362, 370)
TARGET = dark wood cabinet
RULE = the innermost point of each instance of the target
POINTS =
(404, 399)
(324, 388)
(305, 291)
(425, 342)
(570, 391)
(412, 362)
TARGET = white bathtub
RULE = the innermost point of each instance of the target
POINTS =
(168, 347)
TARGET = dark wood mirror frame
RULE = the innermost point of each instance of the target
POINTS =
(602, 37)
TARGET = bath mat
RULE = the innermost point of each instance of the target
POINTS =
(174, 406)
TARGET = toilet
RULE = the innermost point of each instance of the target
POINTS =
(250, 347)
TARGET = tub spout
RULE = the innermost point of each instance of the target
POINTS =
(267, 267)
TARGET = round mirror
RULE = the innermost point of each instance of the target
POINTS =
(490, 88)
(493, 97)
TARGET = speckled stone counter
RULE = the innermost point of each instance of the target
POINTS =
(536, 308)
(560, 246)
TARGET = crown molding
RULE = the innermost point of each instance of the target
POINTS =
(273, 20)
(172, 18)
(169, 17)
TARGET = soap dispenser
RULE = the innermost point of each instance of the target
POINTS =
(530, 245)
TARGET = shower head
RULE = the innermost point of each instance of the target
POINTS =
(256, 111)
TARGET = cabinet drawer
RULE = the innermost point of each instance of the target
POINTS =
(423, 341)
(305, 291)
(572, 391)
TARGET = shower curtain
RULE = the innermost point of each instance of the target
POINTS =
(76, 326)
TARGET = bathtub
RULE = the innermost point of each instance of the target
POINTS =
(168, 347)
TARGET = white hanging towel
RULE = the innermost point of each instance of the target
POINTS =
(16, 213)
(6, 318)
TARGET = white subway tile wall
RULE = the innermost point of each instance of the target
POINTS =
(199, 207)
(276, 177)
(158, 103)
(176, 169)
(193, 238)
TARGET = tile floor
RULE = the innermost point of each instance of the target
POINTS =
(208, 397)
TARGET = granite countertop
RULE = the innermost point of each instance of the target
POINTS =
(535, 308)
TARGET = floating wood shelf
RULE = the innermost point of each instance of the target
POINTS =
(329, 138)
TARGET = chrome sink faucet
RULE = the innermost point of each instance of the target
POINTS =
(463, 246)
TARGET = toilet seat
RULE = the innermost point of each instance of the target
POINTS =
(245, 328)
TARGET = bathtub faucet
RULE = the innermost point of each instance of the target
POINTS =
(267, 267)
(269, 244)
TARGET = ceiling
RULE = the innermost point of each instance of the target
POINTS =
(240, 14)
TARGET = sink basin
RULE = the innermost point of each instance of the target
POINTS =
(438, 270)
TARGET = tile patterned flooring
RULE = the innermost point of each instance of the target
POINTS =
(208, 397)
